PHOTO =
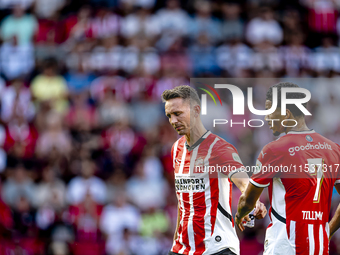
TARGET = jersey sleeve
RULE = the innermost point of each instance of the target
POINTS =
(263, 174)
(226, 160)
(172, 156)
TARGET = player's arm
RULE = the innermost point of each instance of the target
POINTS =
(177, 224)
(334, 224)
(241, 180)
(247, 202)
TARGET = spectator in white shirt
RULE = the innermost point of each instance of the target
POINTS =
(234, 57)
(140, 23)
(326, 57)
(116, 218)
(16, 60)
(80, 186)
(47, 8)
(172, 18)
(264, 28)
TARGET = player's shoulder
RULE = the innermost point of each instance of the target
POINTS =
(290, 139)
(327, 140)
(221, 142)
(179, 141)
(329, 143)
(296, 138)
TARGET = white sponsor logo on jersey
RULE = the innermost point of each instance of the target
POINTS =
(309, 146)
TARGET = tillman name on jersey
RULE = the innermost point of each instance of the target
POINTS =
(312, 215)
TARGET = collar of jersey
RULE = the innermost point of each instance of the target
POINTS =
(190, 148)
(302, 132)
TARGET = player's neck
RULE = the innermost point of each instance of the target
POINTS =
(195, 133)
(301, 126)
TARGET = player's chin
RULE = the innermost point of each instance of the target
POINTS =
(181, 132)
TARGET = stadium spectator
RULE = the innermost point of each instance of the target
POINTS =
(104, 24)
(234, 57)
(154, 193)
(326, 58)
(16, 60)
(54, 139)
(19, 188)
(16, 99)
(86, 185)
(50, 88)
(45, 9)
(19, 25)
(21, 137)
(173, 22)
(203, 57)
(140, 23)
(117, 218)
(204, 23)
(264, 28)
(296, 56)
(232, 25)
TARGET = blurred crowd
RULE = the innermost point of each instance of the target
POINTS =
(85, 160)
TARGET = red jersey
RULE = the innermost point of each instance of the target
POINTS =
(206, 225)
(300, 170)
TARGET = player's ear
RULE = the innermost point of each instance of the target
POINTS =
(197, 110)
(288, 115)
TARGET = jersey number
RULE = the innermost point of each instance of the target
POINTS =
(316, 168)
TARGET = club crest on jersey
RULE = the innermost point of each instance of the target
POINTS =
(199, 162)
(309, 138)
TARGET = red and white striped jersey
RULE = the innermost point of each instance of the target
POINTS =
(300, 191)
(204, 190)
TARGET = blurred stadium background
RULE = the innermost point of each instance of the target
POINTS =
(85, 160)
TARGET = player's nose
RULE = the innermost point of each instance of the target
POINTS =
(173, 120)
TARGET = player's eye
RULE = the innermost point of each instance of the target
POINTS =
(177, 113)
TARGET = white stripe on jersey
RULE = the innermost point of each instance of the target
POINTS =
(180, 171)
(181, 235)
(278, 197)
(206, 160)
(207, 216)
(191, 234)
(206, 134)
(327, 229)
(192, 160)
(311, 239)
(321, 239)
(191, 226)
(174, 154)
(292, 233)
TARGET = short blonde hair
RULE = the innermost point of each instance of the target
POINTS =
(184, 91)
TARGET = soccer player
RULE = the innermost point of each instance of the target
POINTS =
(300, 193)
(204, 222)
